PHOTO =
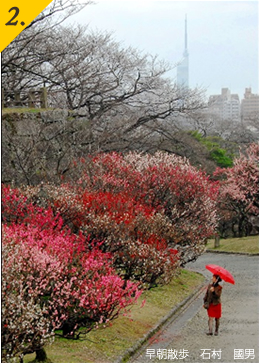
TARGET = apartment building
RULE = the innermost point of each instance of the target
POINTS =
(225, 105)
(250, 106)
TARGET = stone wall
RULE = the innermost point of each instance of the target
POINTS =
(41, 145)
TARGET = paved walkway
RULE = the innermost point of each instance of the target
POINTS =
(238, 340)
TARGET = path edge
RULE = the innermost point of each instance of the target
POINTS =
(231, 253)
(171, 316)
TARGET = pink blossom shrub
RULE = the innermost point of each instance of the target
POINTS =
(53, 280)
(239, 191)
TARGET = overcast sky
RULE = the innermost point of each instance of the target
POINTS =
(222, 36)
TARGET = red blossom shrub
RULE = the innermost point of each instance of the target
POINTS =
(140, 200)
(15, 206)
(126, 227)
(185, 197)
(54, 279)
(136, 202)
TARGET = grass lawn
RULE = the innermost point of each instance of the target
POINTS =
(23, 110)
(246, 244)
(106, 345)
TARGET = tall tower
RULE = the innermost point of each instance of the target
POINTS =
(183, 66)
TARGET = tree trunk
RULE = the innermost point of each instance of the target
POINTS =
(41, 356)
(241, 227)
(217, 241)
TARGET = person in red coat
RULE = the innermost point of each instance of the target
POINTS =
(212, 302)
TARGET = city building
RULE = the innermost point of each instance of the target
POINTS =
(183, 66)
(226, 105)
(249, 106)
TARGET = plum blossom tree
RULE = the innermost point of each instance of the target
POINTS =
(170, 185)
(22, 64)
(128, 230)
(53, 279)
(239, 192)
(123, 218)
(29, 304)
(115, 98)
(164, 196)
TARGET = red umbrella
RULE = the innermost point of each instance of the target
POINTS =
(222, 272)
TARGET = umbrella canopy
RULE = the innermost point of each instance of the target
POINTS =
(222, 272)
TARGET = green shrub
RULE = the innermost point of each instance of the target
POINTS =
(222, 157)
